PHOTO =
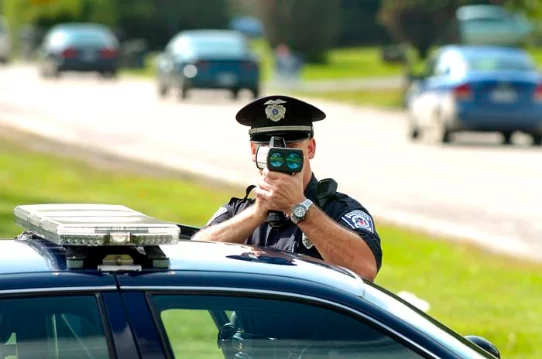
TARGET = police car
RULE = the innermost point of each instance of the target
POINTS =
(104, 281)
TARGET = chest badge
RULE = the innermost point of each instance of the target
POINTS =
(306, 242)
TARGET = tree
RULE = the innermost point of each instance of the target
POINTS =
(421, 23)
(305, 26)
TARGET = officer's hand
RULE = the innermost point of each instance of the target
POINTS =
(280, 191)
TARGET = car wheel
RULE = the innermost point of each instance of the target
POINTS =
(235, 94)
(537, 139)
(442, 133)
(163, 90)
(109, 74)
(507, 138)
(183, 93)
(414, 131)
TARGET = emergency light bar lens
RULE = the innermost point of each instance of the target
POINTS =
(95, 225)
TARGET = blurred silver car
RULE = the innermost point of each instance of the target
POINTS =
(5, 43)
(491, 25)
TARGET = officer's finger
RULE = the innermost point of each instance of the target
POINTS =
(260, 192)
(264, 184)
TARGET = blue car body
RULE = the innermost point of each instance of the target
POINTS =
(479, 89)
(46, 308)
(208, 59)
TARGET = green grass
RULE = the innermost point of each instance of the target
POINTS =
(473, 292)
(342, 64)
(384, 98)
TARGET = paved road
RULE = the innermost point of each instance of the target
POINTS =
(475, 189)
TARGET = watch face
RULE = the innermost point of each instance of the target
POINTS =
(299, 211)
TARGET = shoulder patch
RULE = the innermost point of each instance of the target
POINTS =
(218, 213)
(358, 219)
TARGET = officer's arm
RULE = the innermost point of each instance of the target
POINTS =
(232, 229)
(339, 245)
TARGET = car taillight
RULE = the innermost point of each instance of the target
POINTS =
(108, 53)
(538, 93)
(69, 53)
(463, 92)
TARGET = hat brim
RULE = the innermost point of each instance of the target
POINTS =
(288, 136)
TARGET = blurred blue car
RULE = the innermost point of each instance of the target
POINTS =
(208, 59)
(479, 89)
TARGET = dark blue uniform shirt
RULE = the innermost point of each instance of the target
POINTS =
(343, 209)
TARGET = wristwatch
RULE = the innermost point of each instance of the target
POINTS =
(299, 211)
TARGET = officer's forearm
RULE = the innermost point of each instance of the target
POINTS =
(235, 230)
(338, 245)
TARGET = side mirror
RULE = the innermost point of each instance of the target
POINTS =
(484, 344)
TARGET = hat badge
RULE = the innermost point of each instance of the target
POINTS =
(274, 110)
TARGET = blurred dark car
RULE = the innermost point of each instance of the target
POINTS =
(81, 47)
(208, 59)
(478, 89)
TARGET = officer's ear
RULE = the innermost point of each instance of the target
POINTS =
(311, 148)
(253, 149)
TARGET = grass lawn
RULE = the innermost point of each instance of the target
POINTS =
(343, 63)
(384, 98)
(471, 291)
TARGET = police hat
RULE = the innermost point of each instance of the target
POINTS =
(282, 116)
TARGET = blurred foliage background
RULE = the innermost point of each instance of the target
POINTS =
(310, 27)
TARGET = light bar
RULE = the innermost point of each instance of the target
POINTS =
(95, 225)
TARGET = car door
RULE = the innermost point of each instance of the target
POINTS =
(59, 315)
(206, 315)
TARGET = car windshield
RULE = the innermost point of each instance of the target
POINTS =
(232, 45)
(493, 62)
(85, 36)
(422, 322)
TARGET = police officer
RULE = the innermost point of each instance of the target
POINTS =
(337, 229)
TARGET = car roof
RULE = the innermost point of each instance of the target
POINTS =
(80, 26)
(210, 33)
(31, 256)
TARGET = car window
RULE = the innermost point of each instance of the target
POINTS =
(90, 37)
(265, 328)
(499, 62)
(444, 65)
(52, 327)
(218, 44)
(431, 65)
(177, 45)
